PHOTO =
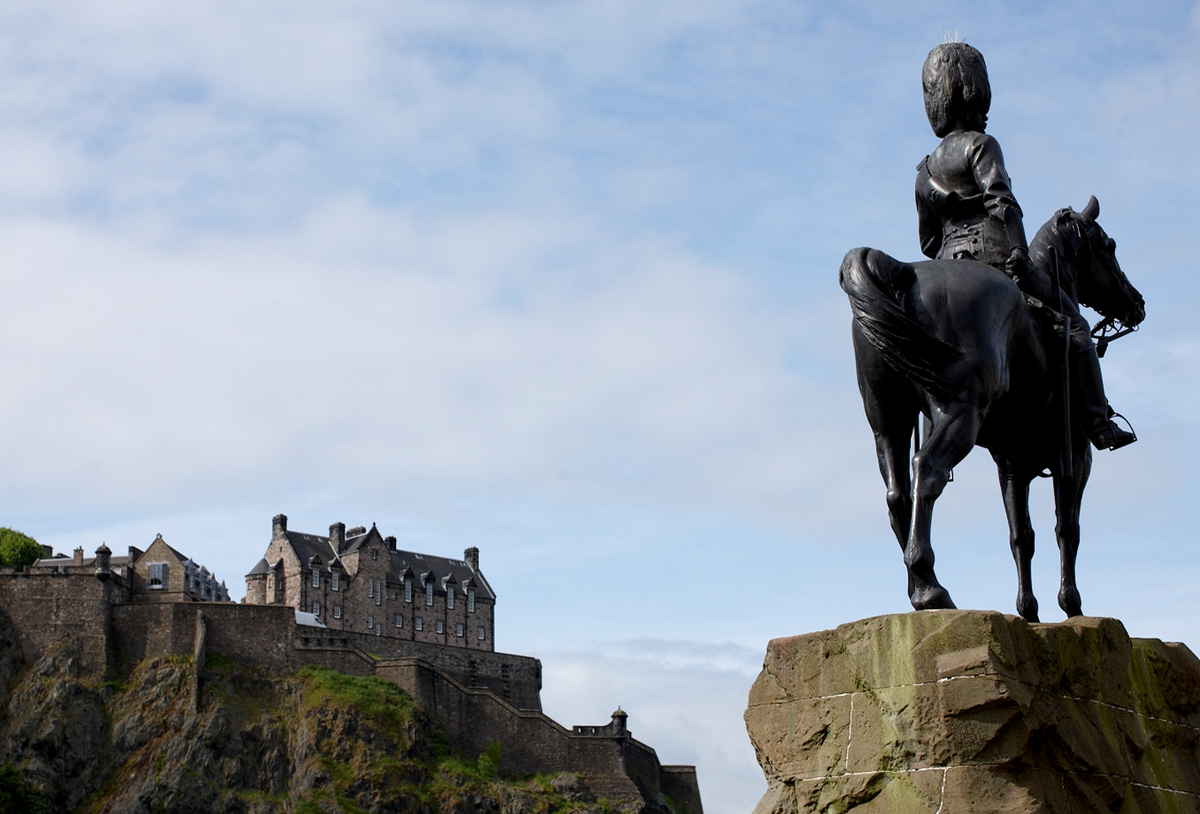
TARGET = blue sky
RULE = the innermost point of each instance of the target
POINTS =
(558, 280)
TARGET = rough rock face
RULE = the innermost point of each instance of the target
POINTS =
(950, 712)
(317, 741)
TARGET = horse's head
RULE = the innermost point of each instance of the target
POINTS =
(1089, 256)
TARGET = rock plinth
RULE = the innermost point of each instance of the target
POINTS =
(948, 712)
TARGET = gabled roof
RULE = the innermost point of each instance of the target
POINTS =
(308, 546)
(442, 570)
(400, 563)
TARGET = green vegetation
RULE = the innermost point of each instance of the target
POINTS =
(17, 549)
(489, 762)
(380, 700)
(17, 796)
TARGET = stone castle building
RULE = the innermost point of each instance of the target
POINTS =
(358, 580)
(353, 601)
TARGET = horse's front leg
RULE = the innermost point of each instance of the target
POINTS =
(1068, 496)
(1015, 490)
(951, 438)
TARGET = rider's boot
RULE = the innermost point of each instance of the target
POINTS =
(1101, 430)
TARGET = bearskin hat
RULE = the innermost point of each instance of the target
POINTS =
(955, 82)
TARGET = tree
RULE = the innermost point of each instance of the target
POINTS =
(18, 549)
(17, 796)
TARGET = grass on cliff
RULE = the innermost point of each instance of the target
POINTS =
(376, 698)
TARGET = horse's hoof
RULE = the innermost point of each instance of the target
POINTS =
(1029, 611)
(1071, 604)
(933, 599)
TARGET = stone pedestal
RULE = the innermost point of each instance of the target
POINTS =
(949, 712)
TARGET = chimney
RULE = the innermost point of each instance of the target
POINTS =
(103, 553)
(391, 543)
(471, 555)
(78, 556)
(279, 525)
(337, 536)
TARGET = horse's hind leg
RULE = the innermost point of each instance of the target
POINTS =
(1015, 490)
(953, 436)
(1068, 495)
(892, 411)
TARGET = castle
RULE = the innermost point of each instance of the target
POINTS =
(359, 580)
(352, 601)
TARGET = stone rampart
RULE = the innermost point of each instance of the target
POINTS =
(268, 636)
(951, 712)
(49, 607)
(616, 766)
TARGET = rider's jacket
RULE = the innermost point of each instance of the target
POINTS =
(965, 204)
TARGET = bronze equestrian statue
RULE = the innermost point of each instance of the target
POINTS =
(985, 340)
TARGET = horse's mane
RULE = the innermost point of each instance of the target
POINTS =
(1050, 237)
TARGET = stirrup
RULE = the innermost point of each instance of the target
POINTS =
(1113, 436)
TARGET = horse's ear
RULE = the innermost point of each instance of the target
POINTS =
(1092, 210)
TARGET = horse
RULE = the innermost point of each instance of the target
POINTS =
(957, 342)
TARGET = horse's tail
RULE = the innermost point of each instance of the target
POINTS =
(876, 285)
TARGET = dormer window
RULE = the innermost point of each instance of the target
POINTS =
(333, 579)
(316, 581)
(428, 593)
(408, 589)
(449, 597)
(470, 600)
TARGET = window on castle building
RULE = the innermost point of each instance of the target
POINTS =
(482, 633)
(408, 589)
(458, 630)
(158, 576)
(440, 626)
(419, 623)
(316, 578)
(370, 588)
(378, 591)
(379, 629)
(337, 611)
(428, 593)
(333, 579)
(316, 609)
(470, 600)
(374, 554)
(399, 620)
(450, 597)
(370, 622)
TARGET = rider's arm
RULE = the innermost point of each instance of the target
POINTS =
(929, 224)
(987, 163)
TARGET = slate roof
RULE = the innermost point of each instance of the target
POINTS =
(307, 545)
(262, 568)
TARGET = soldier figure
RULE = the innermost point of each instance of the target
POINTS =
(966, 210)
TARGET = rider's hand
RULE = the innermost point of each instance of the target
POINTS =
(1017, 264)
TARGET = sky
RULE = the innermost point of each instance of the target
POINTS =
(559, 280)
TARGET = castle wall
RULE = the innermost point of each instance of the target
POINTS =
(47, 607)
(268, 636)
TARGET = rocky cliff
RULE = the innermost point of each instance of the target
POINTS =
(231, 739)
(966, 711)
